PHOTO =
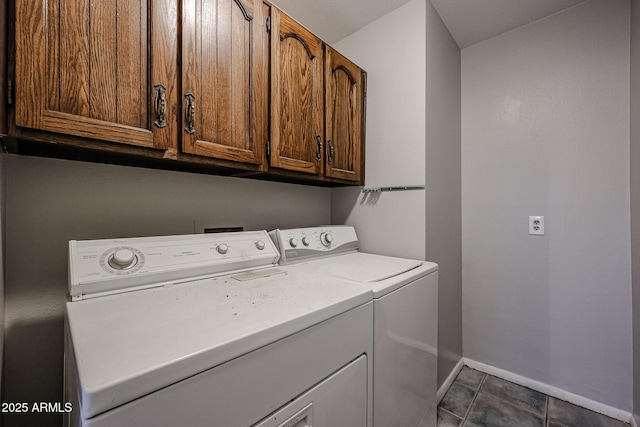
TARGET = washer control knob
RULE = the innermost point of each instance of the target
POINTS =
(326, 239)
(305, 241)
(123, 258)
(260, 245)
(222, 248)
(293, 242)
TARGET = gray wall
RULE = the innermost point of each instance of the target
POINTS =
(49, 202)
(443, 210)
(3, 85)
(545, 131)
(635, 198)
(2, 267)
(392, 51)
(414, 73)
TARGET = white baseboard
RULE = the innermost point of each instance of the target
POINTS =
(634, 423)
(450, 379)
(556, 392)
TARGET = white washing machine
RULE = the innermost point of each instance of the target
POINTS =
(405, 317)
(206, 330)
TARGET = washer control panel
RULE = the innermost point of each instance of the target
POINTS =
(118, 265)
(300, 244)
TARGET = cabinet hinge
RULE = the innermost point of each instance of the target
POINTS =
(268, 148)
(268, 24)
(10, 92)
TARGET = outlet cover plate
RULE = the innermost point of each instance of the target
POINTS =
(536, 225)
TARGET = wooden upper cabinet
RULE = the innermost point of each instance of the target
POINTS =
(225, 79)
(344, 116)
(297, 110)
(235, 84)
(101, 69)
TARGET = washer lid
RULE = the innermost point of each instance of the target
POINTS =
(130, 344)
(362, 267)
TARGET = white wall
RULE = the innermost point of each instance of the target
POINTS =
(635, 198)
(392, 51)
(49, 202)
(545, 131)
(443, 210)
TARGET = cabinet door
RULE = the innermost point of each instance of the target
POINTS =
(102, 69)
(225, 79)
(296, 97)
(344, 93)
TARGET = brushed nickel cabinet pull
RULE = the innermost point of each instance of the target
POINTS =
(330, 158)
(319, 152)
(160, 105)
(190, 113)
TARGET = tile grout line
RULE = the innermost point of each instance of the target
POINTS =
(452, 414)
(519, 407)
(546, 411)
(475, 396)
(537, 414)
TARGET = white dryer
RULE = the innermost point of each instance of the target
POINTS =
(206, 330)
(405, 317)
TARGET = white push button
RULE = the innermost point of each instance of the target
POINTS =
(293, 242)
(260, 245)
(222, 248)
(305, 241)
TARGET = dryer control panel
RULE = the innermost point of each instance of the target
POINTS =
(99, 267)
(302, 244)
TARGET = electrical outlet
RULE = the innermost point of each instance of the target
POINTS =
(536, 225)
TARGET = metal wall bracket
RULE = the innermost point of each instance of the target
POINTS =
(396, 188)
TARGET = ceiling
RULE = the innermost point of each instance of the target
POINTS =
(333, 20)
(469, 21)
(472, 21)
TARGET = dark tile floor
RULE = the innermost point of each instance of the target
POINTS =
(476, 399)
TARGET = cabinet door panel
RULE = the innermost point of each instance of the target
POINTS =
(73, 66)
(132, 64)
(296, 97)
(83, 68)
(344, 117)
(225, 70)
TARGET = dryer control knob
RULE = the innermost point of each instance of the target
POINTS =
(306, 241)
(260, 245)
(293, 242)
(326, 239)
(222, 248)
(123, 258)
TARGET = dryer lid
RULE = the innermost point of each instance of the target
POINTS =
(363, 267)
